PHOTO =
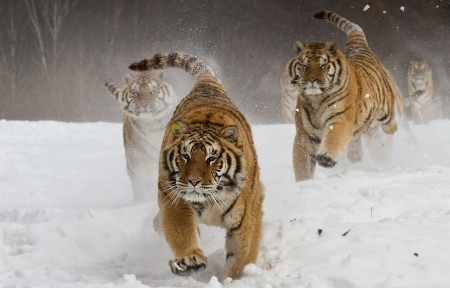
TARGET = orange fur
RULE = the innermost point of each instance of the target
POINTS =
(340, 96)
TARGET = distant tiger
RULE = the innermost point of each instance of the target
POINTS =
(340, 95)
(208, 172)
(421, 99)
(147, 102)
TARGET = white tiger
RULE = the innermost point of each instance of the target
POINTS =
(147, 102)
(423, 104)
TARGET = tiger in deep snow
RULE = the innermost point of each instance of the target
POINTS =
(339, 97)
(208, 172)
(147, 102)
(422, 101)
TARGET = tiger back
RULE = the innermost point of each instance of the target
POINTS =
(147, 102)
(340, 94)
(421, 101)
(208, 172)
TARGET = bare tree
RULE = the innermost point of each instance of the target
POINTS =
(47, 19)
(12, 17)
(111, 26)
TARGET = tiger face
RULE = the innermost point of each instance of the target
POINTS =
(145, 94)
(313, 71)
(203, 165)
(420, 73)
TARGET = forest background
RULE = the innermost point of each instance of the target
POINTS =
(56, 54)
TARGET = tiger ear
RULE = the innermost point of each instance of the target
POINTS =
(230, 133)
(331, 46)
(179, 128)
(127, 78)
(160, 75)
(299, 47)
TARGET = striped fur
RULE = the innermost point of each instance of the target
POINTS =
(339, 97)
(421, 99)
(379, 144)
(147, 102)
(208, 172)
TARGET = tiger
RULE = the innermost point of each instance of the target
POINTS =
(421, 99)
(147, 102)
(340, 94)
(208, 172)
(379, 144)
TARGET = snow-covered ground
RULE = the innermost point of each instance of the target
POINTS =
(67, 217)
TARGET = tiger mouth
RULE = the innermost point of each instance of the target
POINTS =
(312, 90)
(195, 197)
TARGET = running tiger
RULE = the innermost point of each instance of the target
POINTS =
(340, 95)
(380, 145)
(147, 102)
(208, 172)
(421, 93)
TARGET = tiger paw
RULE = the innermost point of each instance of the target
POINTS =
(188, 265)
(390, 128)
(325, 161)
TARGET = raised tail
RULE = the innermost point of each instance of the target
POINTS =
(342, 23)
(109, 84)
(188, 63)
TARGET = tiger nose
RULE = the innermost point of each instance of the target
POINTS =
(194, 181)
(312, 79)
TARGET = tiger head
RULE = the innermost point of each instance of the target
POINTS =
(420, 75)
(146, 94)
(315, 68)
(203, 164)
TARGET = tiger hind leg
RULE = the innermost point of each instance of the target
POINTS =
(379, 145)
(355, 151)
(390, 127)
(242, 248)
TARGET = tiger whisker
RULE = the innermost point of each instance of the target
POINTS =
(164, 190)
(176, 199)
(225, 186)
(218, 201)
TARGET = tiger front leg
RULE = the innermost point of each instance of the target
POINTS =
(334, 142)
(304, 156)
(304, 150)
(181, 233)
(416, 113)
(242, 244)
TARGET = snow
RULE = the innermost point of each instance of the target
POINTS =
(366, 7)
(67, 217)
